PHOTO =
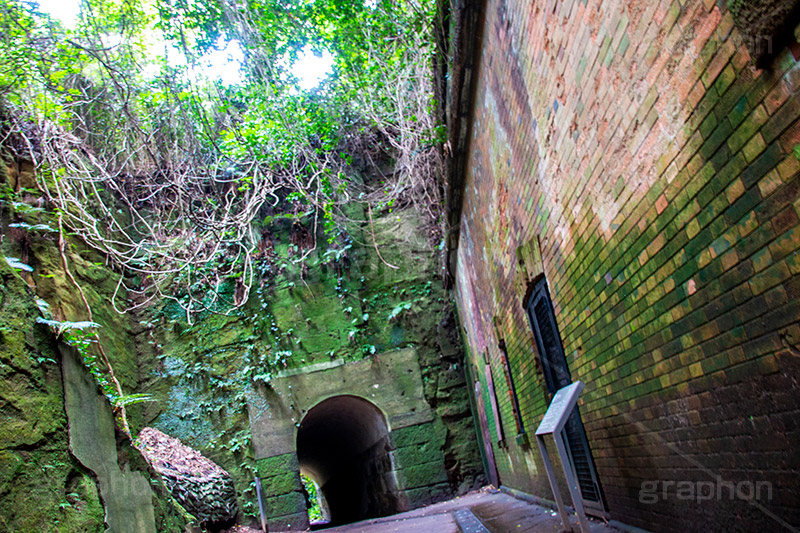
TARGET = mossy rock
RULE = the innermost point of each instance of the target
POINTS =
(42, 488)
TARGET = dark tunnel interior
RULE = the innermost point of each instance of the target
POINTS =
(343, 445)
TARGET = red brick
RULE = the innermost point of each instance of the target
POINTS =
(646, 281)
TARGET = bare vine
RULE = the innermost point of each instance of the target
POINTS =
(182, 220)
(119, 408)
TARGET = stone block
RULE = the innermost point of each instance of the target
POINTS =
(281, 483)
(286, 504)
(426, 452)
(421, 496)
(421, 475)
(290, 522)
(419, 433)
(277, 464)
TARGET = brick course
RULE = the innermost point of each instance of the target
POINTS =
(657, 169)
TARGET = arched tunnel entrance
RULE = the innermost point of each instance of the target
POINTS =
(343, 445)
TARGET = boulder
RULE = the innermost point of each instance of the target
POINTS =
(203, 488)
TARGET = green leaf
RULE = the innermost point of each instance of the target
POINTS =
(61, 327)
(15, 263)
(264, 378)
(25, 208)
(399, 308)
(35, 227)
(130, 399)
(44, 308)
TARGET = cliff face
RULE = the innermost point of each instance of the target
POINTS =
(338, 308)
(64, 466)
(41, 483)
(377, 293)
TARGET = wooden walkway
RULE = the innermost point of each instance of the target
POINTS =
(478, 512)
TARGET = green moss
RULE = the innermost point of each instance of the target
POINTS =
(286, 504)
(421, 475)
(282, 483)
(84, 511)
(277, 464)
(342, 305)
(418, 434)
(38, 491)
(425, 452)
(42, 486)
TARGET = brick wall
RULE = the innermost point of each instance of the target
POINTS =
(659, 173)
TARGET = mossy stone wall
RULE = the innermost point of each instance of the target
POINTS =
(44, 485)
(375, 291)
(345, 304)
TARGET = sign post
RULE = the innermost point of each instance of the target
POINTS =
(553, 423)
(261, 506)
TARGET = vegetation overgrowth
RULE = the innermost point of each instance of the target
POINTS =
(176, 176)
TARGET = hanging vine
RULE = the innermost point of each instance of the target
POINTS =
(175, 177)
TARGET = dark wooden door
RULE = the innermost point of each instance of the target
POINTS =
(556, 376)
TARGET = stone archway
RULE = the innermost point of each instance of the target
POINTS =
(389, 385)
(343, 445)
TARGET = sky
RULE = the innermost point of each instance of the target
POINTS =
(311, 69)
(64, 10)
(224, 64)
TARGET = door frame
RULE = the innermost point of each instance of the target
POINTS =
(556, 375)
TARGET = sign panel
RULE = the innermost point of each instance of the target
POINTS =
(553, 422)
(560, 409)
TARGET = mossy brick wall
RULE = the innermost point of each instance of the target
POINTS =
(658, 169)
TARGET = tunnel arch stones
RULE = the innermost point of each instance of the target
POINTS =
(392, 383)
(343, 445)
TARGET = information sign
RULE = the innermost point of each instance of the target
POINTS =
(553, 424)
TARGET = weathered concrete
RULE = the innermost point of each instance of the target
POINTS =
(126, 494)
